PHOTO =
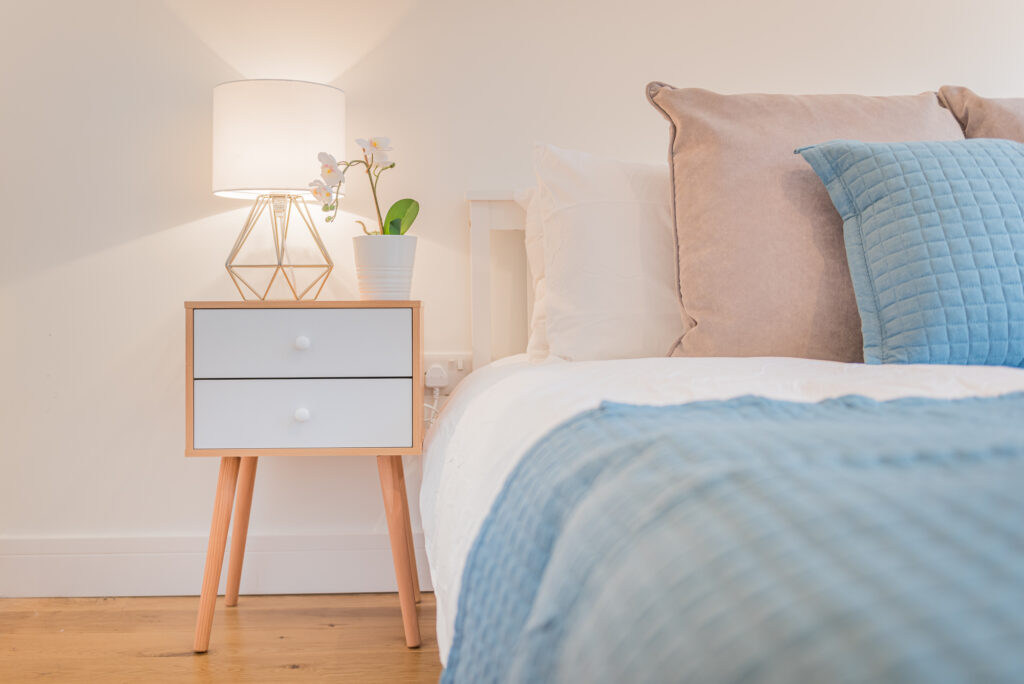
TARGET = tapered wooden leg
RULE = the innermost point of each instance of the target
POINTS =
(215, 550)
(408, 536)
(240, 528)
(396, 510)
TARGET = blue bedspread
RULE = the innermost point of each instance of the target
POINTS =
(754, 540)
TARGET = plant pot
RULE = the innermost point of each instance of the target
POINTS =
(384, 265)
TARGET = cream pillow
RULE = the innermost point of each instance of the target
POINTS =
(608, 282)
(537, 346)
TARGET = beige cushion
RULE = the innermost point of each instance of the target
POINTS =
(761, 263)
(984, 117)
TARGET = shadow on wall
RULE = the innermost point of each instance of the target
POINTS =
(316, 40)
(106, 129)
(107, 126)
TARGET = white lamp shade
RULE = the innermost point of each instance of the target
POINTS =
(267, 134)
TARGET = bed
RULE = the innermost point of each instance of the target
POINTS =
(504, 408)
(720, 518)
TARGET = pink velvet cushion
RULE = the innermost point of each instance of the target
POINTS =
(761, 264)
(985, 117)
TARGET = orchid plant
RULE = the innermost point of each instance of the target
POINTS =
(327, 188)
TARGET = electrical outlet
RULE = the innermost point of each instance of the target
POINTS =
(457, 364)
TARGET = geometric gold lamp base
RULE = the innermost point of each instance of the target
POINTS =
(292, 258)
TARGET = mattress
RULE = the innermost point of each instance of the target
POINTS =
(501, 410)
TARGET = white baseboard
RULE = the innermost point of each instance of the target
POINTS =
(173, 566)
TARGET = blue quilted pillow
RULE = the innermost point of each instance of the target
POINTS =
(935, 240)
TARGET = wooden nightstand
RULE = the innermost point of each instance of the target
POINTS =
(302, 379)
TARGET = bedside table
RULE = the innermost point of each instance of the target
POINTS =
(302, 379)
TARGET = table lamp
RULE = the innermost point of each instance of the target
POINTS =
(266, 137)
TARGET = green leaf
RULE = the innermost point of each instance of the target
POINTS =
(400, 216)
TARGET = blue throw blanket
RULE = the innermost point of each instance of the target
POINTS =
(758, 541)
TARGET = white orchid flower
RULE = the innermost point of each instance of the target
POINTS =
(329, 170)
(375, 146)
(321, 192)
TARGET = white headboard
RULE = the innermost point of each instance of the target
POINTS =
(512, 297)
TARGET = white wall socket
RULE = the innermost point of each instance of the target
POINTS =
(458, 365)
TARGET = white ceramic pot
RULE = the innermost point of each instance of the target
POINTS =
(384, 265)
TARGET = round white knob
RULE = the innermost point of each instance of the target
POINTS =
(301, 342)
(301, 415)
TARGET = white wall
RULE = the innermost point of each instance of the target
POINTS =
(108, 223)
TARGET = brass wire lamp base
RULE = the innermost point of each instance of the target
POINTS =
(254, 272)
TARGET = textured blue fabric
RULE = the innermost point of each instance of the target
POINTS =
(758, 541)
(935, 241)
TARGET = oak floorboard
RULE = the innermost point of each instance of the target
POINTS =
(338, 638)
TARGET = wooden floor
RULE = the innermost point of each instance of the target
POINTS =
(338, 638)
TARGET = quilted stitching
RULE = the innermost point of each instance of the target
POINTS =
(935, 239)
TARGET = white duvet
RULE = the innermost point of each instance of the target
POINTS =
(499, 411)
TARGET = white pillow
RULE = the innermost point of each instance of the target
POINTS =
(537, 346)
(609, 275)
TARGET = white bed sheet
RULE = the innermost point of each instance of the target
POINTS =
(501, 410)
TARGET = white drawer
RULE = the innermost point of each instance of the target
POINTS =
(302, 343)
(302, 414)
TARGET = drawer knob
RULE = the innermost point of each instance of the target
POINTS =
(301, 415)
(302, 342)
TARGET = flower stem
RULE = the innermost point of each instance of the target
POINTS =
(373, 188)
